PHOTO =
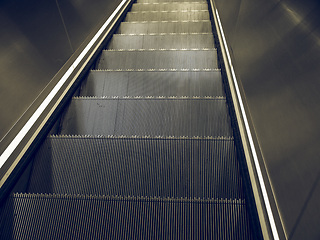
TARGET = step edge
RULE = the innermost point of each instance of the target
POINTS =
(160, 50)
(183, 21)
(142, 137)
(168, 11)
(159, 70)
(40, 196)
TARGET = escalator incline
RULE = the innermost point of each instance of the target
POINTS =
(145, 150)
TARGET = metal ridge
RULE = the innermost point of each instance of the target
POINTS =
(160, 70)
(160, 34)
(159, 50)
(144, 137)
(129, 198)
(163, 11)
(150, 97)
(182, 21)
(182, 2)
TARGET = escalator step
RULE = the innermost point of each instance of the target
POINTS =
(167, 16)
(148, 116)
(170, 1)
(137, 166)
(130, 83)
(174, 6)
(158, 59)
(40, 216)
(165, 27)
(163, 41)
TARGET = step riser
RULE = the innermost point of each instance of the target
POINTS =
(177, 59)
(90, 218)
(103, 83)
(165, 27)
(169, 7)
(183, 41)
(147, 117)
(137, 167)
(167, 16)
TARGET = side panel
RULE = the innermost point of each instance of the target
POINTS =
(275, 46)
(37, 38)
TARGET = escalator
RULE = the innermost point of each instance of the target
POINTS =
(146, 148)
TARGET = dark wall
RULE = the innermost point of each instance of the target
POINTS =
(36, 39)
(275, 47)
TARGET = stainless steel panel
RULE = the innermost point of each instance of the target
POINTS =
(276, 53)
(35, 41)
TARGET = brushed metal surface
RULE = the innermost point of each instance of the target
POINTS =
(34, 45)
(276, 54)
(167, 16)
(147, 116)
(203, 168)
(165, 27)
(125, 83)
(158, 59)
(165, 6)
(127, 218)
(162, 41)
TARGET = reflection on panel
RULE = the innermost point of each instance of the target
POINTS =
(37, 38)
(276, 53)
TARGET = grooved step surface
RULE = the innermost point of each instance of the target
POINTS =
(151, 155)
(154, 117)
(137, 166)
(104, 83)
(170, 41)
(167, 16)
(92, 217)
(157, 59)
(168, 1)
(174, 6)
(165, 27)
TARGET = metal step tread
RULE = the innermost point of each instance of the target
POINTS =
(147, 83)
(168, 21)
(165, 27)
(162, 41)
(167, 16)
(162, 116)
(169, 11)
(160, 34)
(169, 1)
(158, 59)
(204, 167)
(159, 70)
(40, 216)
(169, 6)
